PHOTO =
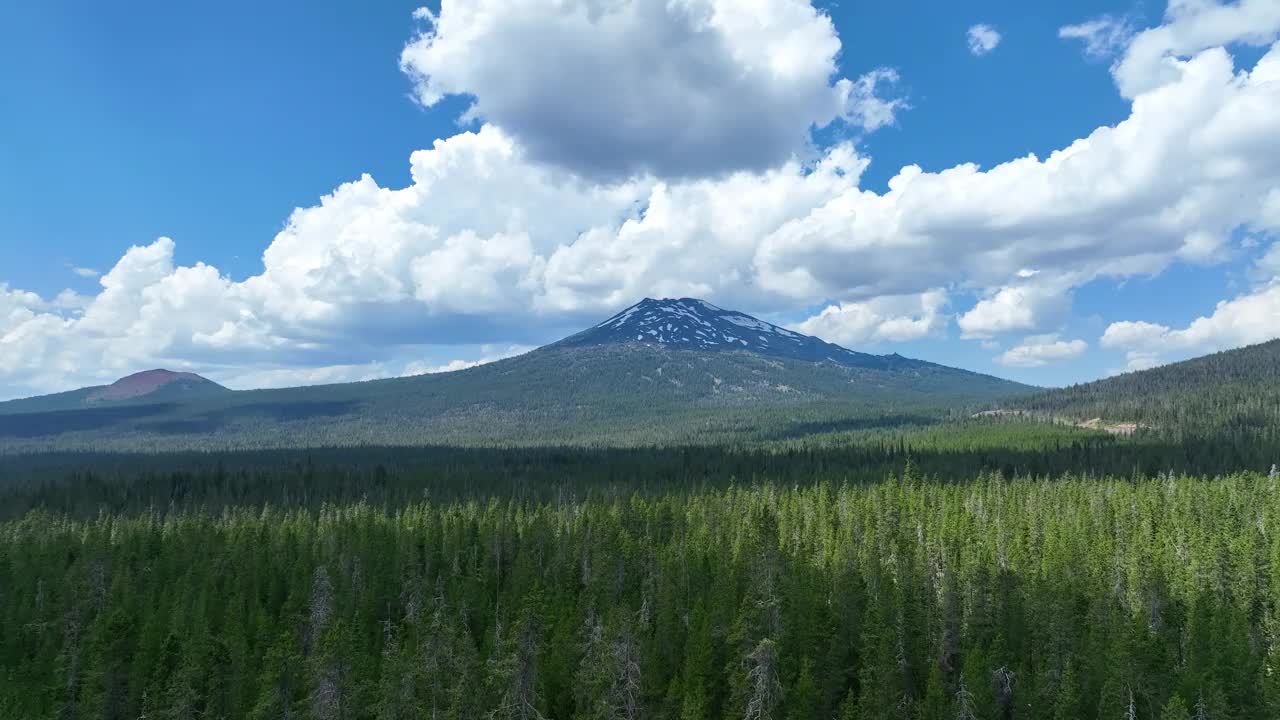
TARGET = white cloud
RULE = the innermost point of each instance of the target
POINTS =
(982, 39)
(1151, 57)
(85, 272)
(1041, 350)
(17, 307)
(611, 88)
(488, 354)
(1017, 309)
(1103, 37)
(1192, 163)
(283, 377)
(1267, 266)
(863, 103)
(1248, 319)
(883, 319)
(69, 299)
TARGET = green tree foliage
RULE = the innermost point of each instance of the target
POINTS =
(1027, 598)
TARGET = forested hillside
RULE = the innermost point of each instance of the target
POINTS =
(1068, 598)
(1232, 391)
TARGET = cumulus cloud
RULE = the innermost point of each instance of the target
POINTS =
(1194, 161)
(1151, 57)
(1017, 309)
(883, 319)
(1040, 350)
(611, 88)
(147, 310)
(1248, 319)
(17, 307)
(982, 39)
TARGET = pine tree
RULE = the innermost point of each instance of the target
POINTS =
(802, 698)
(282, 688)
(1066, 703)
(1175, 709)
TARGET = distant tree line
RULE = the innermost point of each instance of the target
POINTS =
(86, 484)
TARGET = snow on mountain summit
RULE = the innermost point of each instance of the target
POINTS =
(691, 324)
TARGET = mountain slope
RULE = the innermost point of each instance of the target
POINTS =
(599, 386)
(1230, 390)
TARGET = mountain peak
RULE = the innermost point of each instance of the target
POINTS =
(689, 323)
(148, 382)
(693, 324)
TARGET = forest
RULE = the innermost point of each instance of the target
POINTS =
(981, 569)
(908, 598)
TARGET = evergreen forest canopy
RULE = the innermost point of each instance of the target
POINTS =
(794, 560)
(1235, 391)
(1069, 597)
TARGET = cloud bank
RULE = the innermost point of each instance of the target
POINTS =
(509, 230)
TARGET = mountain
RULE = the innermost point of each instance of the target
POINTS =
(149, 386)
(660, 372)
(1234, 390)
(155, 385)
(690, 324)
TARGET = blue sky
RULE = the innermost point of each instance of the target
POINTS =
(209, 125)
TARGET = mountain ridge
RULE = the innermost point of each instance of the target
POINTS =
(599, 386)
(693, 324)
(1229, 389)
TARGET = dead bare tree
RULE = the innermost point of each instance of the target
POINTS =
(964, 704)
(624, 695)
(326, 700)
(762, 677)
(321, 603)
(69, 658)
(517, 674)
(1002, 682)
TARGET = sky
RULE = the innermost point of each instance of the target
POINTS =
(291, 193)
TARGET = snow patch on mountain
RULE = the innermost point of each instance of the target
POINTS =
(692, 324)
